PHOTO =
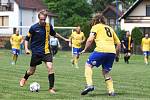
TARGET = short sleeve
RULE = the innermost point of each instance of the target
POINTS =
(93, 31)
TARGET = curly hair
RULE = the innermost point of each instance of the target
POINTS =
(98, 18)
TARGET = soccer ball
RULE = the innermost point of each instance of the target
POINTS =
(34, 87)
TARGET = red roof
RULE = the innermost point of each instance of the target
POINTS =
(110, 7)
(33, 4)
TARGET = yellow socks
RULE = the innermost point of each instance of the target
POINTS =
(75, 60)
(88, 75)
(14, 58)
(109, 84)
(146, 60)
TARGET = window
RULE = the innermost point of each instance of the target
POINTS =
(4, 21)
(148, 10)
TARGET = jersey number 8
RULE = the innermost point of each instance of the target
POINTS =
(108, 32)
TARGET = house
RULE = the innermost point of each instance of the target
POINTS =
(111, 13)
(138, 15)
(14, 13)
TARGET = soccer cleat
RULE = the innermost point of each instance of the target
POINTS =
(72, 62)
(76, 66)
(52, 91)
(146, 63)
(87, 89)
(127, 62)
(13, 63)
(117, 59)
(22, 82)
(112, 94)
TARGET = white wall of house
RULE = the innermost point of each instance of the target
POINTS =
(130, 26)
(29, 17)
(13, 20)
(140, 10)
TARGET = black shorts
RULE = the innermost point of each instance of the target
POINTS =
(37, 59)
(127, 51)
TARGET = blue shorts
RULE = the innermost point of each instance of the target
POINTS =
(76, 51)
(104, 59)
(15, 51)
(146, 53)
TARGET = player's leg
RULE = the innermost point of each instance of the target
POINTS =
(51, 76)
(109, 82)
(35, 60)
(55, 50)
(52, 50)
(125, 55)
(16, 55)
(76, 58)
(28, 73)
(77, 54)
(92, 61)
(146, 57)
(13, 56)
(128, 56)
(106, 68)
(88, 76)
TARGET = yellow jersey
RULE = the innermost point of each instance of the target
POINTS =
(145, 44)
(105, 38)
(15, 41)
(77, 39)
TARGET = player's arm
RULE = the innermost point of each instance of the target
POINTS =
(58, 35)
(22, 40)
(124, 47)
(131, 42)
(83, 39)
(59, 46)
(118, 44)
(89, 41)
(53, 33)
(142, 45)
(27, 38)
(70, 40)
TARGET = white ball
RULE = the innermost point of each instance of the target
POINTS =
(34, 87)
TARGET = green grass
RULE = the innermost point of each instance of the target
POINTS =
(131, 81)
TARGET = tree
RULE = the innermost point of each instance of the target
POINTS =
(137, 37)
(70, 12)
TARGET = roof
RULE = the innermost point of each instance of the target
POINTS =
(131, 8)
(110, 7)
(33, 4)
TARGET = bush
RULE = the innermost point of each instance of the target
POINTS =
(137, 37)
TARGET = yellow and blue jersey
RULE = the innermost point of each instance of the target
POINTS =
(15, 41)
(40, 38)
(77, 39)
(105, 38)
(145, 44)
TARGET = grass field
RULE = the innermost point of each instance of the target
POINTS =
(131, 81)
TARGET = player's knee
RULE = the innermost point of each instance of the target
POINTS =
(50, 69)
(31, 70)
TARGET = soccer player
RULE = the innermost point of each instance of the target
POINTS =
(76, 39)
(127, 44)
(104, 53)
(145, 46)
(54, 43)
(16, 40)
(39, 34)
